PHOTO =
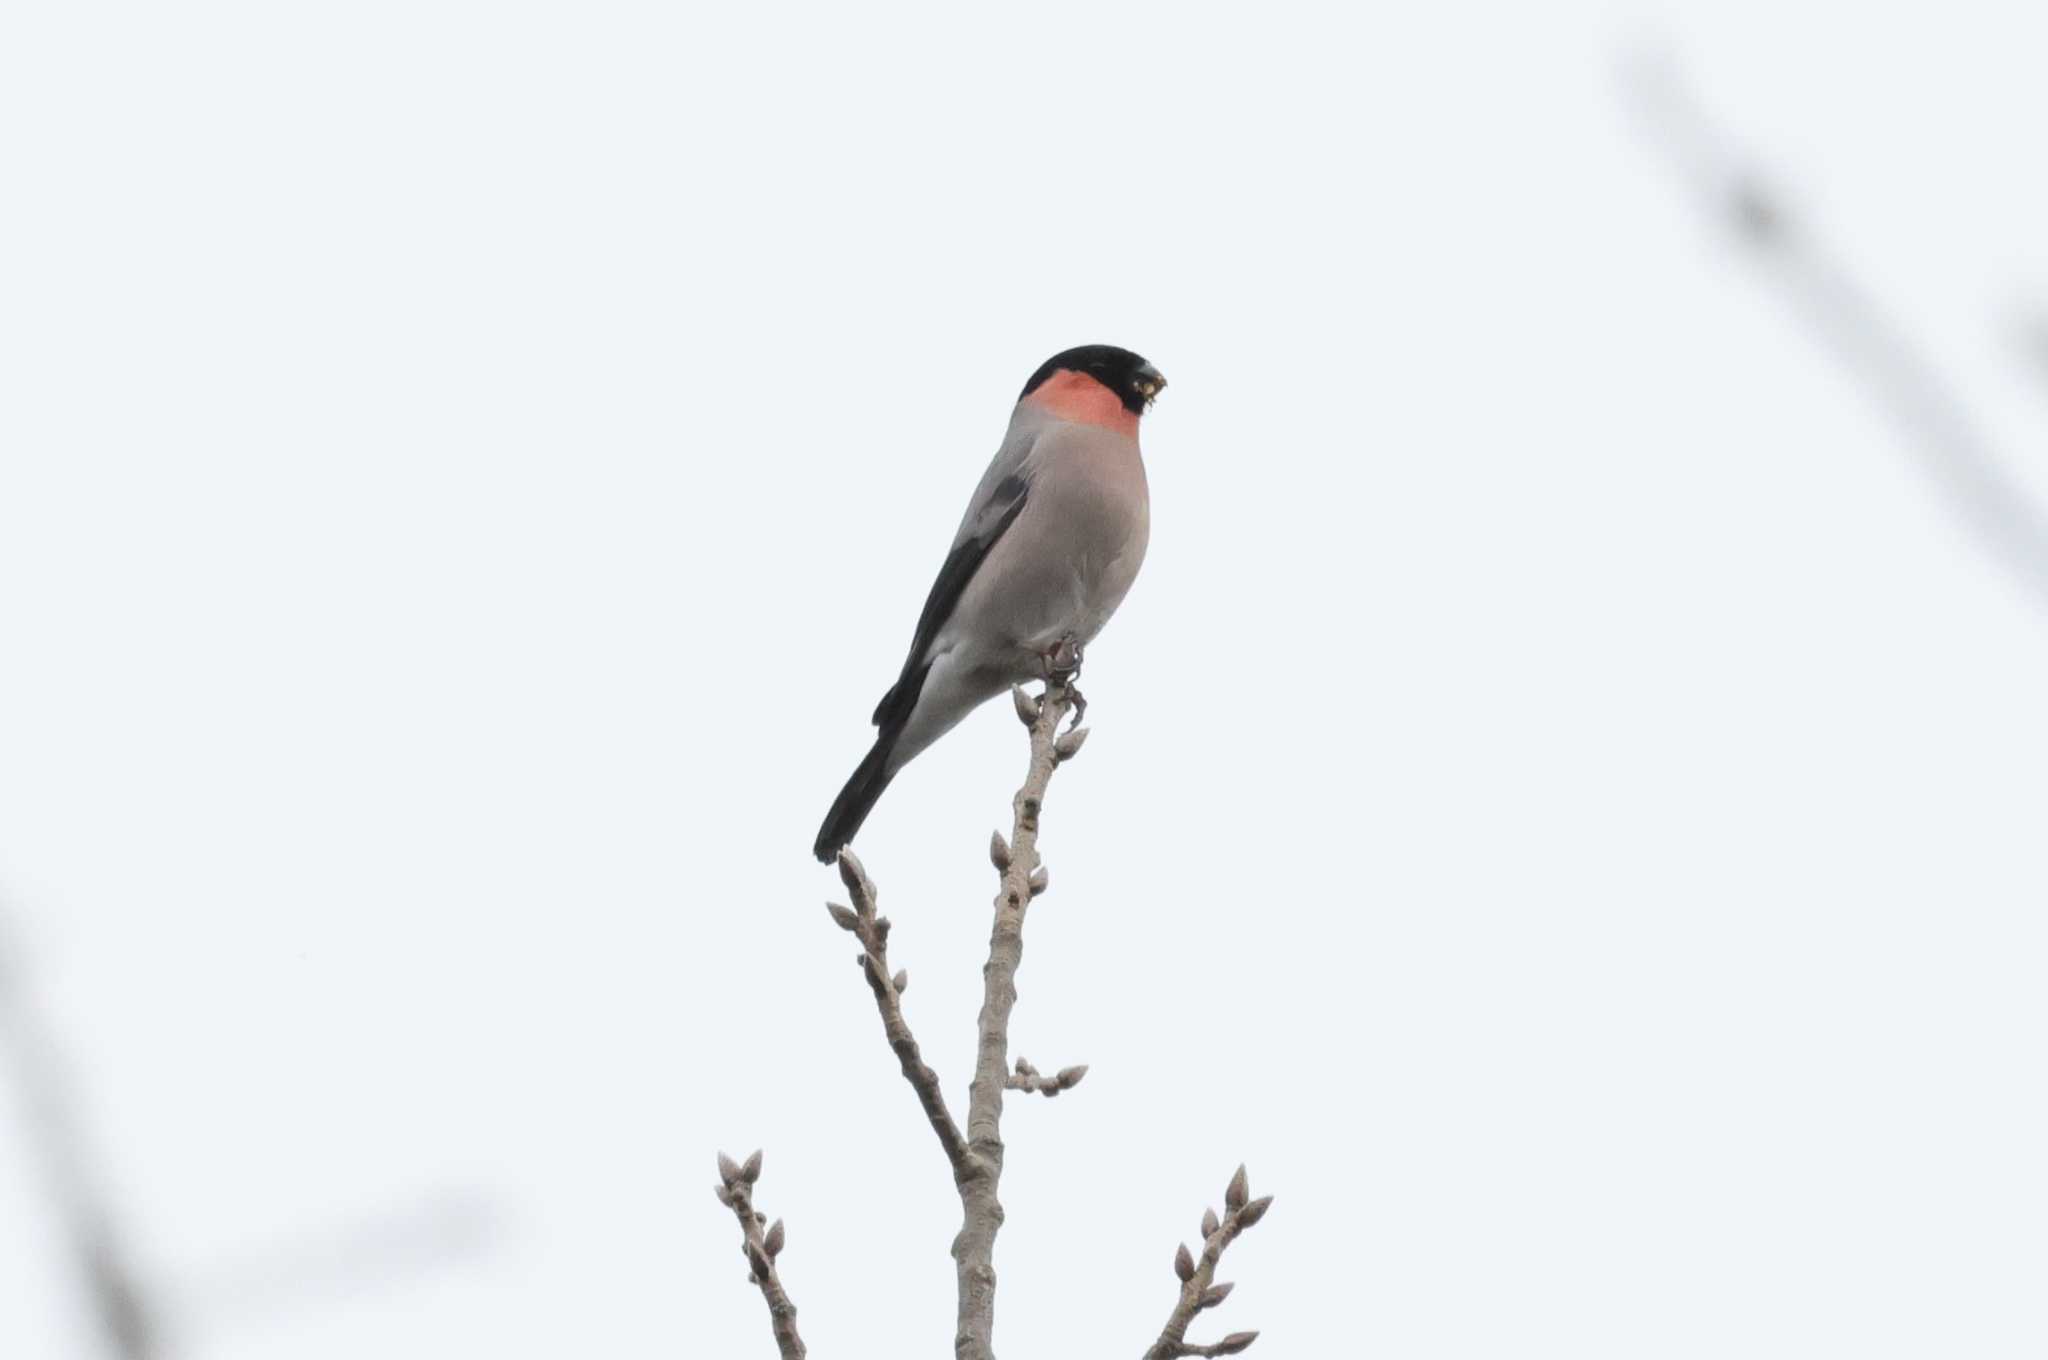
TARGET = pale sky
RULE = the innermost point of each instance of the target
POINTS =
(1567, 795)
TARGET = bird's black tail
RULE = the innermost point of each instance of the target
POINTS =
(856, 800)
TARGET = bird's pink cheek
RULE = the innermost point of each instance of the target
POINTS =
(1080, 398)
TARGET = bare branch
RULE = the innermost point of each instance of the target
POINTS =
(1027, 1078)
(872, 930)
(977, 1157)
(1198, 1288)
(736, 1192)
(1017, 861)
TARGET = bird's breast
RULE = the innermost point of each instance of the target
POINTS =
(1066, 563)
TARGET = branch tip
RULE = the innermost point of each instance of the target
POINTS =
(1028, 708)
(872, 930)
(760, 1249)
(1239, 1190)
(853, 875)
(1028, 1078)
(1199, 1289)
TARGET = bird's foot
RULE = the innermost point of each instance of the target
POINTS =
(1063, 660)
(1063, 668)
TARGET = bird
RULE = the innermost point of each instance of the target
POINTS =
(1052, 539)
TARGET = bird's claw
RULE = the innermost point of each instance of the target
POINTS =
(1063, 668)
(1063, 661)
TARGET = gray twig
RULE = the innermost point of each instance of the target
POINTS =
(872, 930)
(1023, 878)
(1198, 1288)
(1028, 1078)
(760, 1243)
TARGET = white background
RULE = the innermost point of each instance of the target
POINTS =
(1567, 799)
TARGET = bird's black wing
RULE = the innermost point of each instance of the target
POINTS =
(995, 510)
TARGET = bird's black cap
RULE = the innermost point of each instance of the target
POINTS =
(1134, 381)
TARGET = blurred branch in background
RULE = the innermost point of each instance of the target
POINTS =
(132, 1314)
(129, 1323)
(1975, 479)
(307, 1268)
(2034, 345)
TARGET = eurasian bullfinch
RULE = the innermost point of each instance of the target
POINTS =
(1049, 545)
